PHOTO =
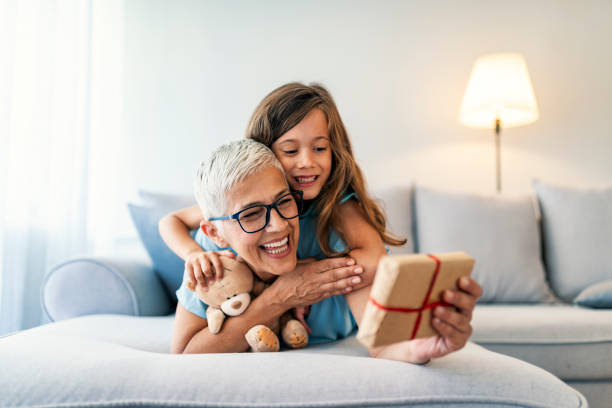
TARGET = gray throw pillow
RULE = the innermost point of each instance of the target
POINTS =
(500, 232)
(396, 202)
(577, 235)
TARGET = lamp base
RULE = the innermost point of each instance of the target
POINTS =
(498, 153)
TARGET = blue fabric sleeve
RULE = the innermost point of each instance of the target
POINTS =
(207, 244)
(335, 242)
(190, 301)
(348, 196)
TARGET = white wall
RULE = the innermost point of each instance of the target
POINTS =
(193, 71)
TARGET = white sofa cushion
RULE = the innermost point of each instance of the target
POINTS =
(577, 231)
(569, 341)
(63, 366)
(500, 232)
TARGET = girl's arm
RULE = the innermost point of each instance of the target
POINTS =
(453, 324)
(200, 266)
(308, 283)
(174, 229)
(365, 247)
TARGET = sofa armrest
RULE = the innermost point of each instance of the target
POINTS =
(85, 286)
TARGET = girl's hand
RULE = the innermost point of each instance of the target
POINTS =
(453, 323)
(300, 314)
(312, 282)
(203, 267)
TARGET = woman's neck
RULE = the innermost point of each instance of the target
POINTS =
(265, 276)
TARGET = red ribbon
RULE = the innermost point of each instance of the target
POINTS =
(424, 305)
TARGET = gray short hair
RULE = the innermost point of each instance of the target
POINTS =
(228, 165)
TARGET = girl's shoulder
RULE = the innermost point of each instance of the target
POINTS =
(311, 213)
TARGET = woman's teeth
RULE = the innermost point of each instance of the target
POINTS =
(277, 247)
(306, 179)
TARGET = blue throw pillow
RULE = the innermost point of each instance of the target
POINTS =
(167, 264)
(597, 296)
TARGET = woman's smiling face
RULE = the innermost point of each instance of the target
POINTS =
(273, 250)
(305, 154)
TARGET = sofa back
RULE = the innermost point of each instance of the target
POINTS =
(528, 248)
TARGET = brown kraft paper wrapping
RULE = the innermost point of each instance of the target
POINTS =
(402, 282)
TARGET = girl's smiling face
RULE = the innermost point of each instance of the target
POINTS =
(305, 154)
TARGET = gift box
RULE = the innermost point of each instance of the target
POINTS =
(405, 291)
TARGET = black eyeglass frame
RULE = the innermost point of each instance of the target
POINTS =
(296, 194)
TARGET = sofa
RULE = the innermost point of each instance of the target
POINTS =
(542, 330)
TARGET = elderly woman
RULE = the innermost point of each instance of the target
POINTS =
(237, 176)
(247, 206)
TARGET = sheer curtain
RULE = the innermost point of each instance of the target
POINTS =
(44, 147)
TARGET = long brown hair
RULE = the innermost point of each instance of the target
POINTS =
(285, 107)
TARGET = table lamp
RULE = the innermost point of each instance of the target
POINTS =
(498, 94)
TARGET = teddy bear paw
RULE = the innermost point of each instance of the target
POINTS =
(294, 334)
(261, 338)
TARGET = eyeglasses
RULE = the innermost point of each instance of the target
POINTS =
(256, 217)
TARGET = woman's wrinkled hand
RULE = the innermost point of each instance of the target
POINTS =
(314, 281)
(202, 268)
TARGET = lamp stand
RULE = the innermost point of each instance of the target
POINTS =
(498, 153)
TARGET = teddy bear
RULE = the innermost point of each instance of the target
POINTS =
(231, 296)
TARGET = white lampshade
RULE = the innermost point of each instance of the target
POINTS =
(499, 87)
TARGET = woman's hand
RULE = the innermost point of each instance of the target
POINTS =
(312, 282)
(453, 323)
(203, 267)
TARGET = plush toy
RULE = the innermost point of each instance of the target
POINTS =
(231, 296)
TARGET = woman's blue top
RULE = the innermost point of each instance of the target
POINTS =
(330, 319)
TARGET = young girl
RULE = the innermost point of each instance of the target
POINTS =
(302, 126)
